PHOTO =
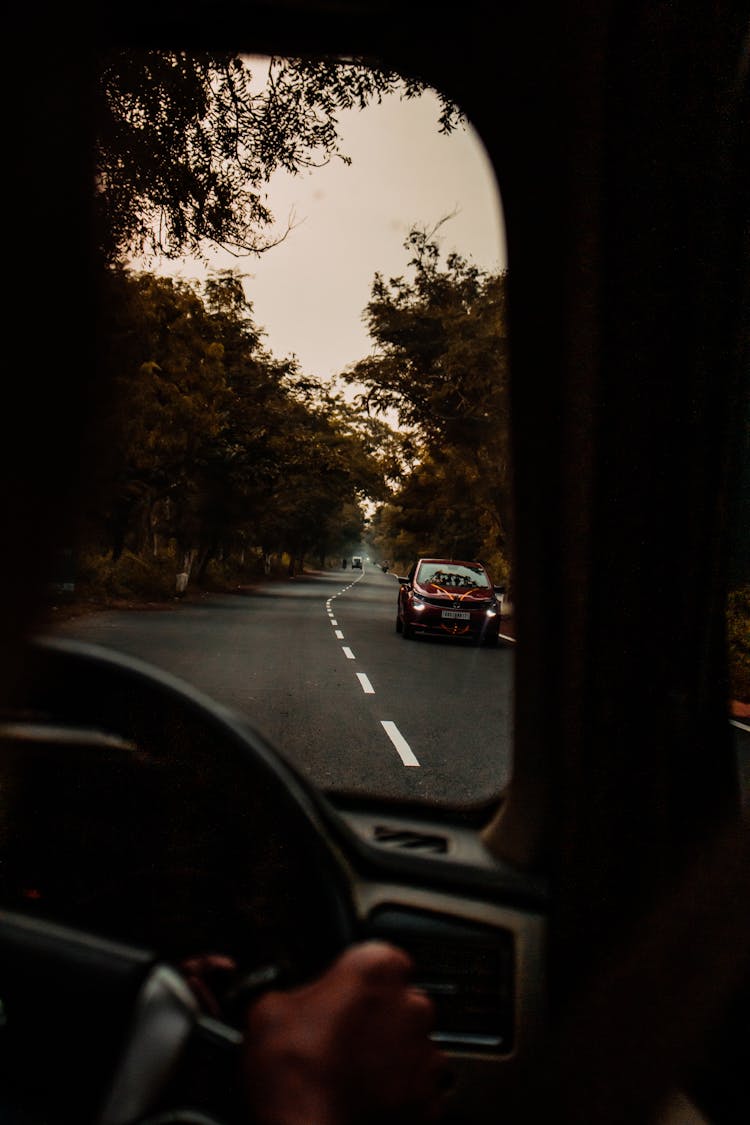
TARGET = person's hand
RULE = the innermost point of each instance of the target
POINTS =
(203, 973)
(350, 1048)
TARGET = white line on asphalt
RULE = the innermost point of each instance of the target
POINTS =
(347, 652)
(739, 725)
(339, 634)
(367, 687)
(505, 637)
(398, 740)
(334, 621)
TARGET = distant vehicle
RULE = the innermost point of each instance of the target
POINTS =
(357, 562)
(449, 598)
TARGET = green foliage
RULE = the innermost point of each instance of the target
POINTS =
(100, 578)
(207, 447)
(738, 632)
(187, 142)
(441, 364)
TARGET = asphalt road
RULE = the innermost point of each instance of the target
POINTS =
(317, 666)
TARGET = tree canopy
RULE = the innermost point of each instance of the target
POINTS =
(208, 441)
(441, 363)
(188, 141)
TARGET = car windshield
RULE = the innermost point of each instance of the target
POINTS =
(452, 574)
(307, 381)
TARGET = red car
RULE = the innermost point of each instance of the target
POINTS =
(449, 598)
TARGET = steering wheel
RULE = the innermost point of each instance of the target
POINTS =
(144, 825)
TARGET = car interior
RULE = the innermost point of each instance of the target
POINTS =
(586, 935)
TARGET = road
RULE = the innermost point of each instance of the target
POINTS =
(317, 666)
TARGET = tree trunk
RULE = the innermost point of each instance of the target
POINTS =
(183, 575)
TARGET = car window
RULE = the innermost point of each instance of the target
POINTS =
(305, 339)
(453, 574)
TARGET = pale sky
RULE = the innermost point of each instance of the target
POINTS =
(309, 292)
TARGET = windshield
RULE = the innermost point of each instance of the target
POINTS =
(303, 341)
(452, 574)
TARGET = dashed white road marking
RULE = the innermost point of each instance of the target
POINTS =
(402, 746)
(505, 637)
(403, 749)
(739, 725)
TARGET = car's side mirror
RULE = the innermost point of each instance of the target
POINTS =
(402, 580)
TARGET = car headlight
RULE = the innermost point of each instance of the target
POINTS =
(417, 603)
(491, 611)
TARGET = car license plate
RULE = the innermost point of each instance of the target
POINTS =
(456, 614)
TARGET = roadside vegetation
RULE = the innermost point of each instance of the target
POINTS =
(210, 452)
(440, 363)
(218, 463)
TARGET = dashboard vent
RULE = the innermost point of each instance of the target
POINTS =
(466, 968)
(409, 840)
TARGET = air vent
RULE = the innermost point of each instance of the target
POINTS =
(409, 840)
(466, 968)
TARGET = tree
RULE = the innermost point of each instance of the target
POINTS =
(162, 364)
(316, 503)
(442, 366)
(187, 143)
(210, 441)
